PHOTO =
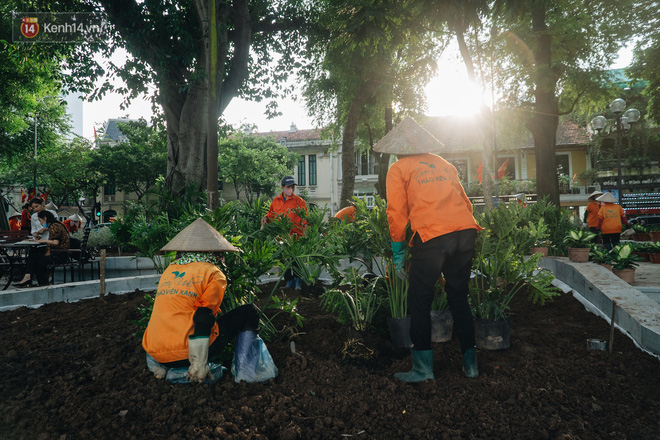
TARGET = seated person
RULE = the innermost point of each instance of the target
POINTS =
(57, 241)
(72, 224)
(186, 327)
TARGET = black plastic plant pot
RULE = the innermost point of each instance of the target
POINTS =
(492, 334)
(400, 332)
(442, 324)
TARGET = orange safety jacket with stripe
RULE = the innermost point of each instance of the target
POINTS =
(280, 207)
(181, 291)
(610, 218)
(592, 214)
(424, 189)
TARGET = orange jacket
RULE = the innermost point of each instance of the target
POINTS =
(181, 291)
(14, 224)
(279, 207)
(424, 189)
(69, 227)
(347, 214)
(610, 218)
(592, 214)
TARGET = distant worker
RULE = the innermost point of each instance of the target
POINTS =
(347, 214)
(72, 224)
(15, 221)
(286, 204)
(611, 219)
(591, 213)
(424, 190)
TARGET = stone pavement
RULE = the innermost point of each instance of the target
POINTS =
(647, 274)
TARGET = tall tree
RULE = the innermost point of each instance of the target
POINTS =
(197, 54)
(254, 164)
(560, 49)
(370, 55)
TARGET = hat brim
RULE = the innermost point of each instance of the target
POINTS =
(407, 138)
(199, 236)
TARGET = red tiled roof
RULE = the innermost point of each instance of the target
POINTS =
(463, 133)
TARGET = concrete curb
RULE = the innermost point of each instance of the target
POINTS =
(637, 315)
(71, 292)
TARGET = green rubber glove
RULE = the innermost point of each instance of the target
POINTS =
(399, 251)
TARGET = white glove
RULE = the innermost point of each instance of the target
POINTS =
(198, 355)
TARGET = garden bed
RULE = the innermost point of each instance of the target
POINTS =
(77, 371)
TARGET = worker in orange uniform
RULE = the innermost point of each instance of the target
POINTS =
(186, 327)
(287, 203)
(347, 214)
(591, 213)
(611, 219)
(72, 224)
(15, 221)
(424, 190)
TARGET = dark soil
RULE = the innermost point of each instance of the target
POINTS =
(77, 371)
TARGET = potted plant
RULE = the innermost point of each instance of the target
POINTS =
(500, 273)
(641, 233)
(442, 321)
(579, 244)
(654, 252)
(601, 256)
(624, 262)
(398, 322)
(654, 231)
(541, 237)
(641, 250)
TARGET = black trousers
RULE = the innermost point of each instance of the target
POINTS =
(449, 255)
(37, 263)
(611, 240)
(230, 324)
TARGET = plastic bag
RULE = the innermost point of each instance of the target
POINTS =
(252, 361)
(178, 375)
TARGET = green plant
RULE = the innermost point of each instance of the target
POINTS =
(439, 298)
(653, 247)
(579, 238)
(623, 258)
(600, 255)
(539, 233)
(101, 238)
(396, 290)
(640, 229)
(145, 312)
(501, 271)
(357, 303)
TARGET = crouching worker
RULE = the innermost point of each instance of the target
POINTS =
(186, 328)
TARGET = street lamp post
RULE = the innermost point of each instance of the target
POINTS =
(623, 122)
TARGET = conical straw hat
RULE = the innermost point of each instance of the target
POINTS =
(75, 218)
(408, 137)
(596, 194)
(51, 206)
(199, 236)
(607, 198)
(13, 213)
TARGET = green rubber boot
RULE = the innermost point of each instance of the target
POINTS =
(422, 367)
(470, 363)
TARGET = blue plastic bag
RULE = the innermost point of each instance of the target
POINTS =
(252, 361)
(178, 375)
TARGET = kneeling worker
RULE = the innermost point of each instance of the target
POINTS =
(185, 327)
(423, 189)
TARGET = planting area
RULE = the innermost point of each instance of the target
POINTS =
(77, 371)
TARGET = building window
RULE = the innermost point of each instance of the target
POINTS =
(312, 169)
(301, 171)
(365, 164)
(461, 167)
(109, 190)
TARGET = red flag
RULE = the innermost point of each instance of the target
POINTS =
(574, 176)
(94, 133)
(31, 196)
(44, 196)
(480, 171)
(23, 196)
(501, 172)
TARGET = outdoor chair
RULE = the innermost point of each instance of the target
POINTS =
(79, 258)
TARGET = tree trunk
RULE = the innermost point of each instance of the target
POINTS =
(384, 159)
(186, 140)
(546, 117)
(485, 125)
(361, 96)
